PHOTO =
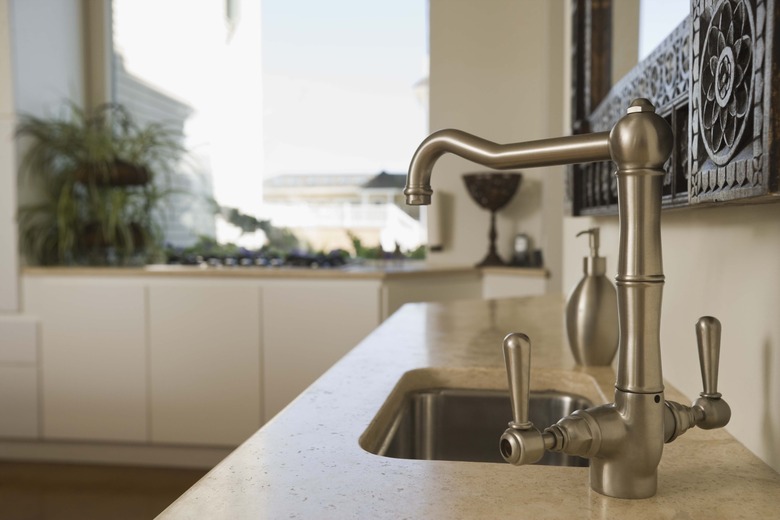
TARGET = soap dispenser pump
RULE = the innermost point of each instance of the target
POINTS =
(591, 310)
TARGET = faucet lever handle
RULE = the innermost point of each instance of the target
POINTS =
(708, 337)
(521, 443)
(710, 411)
(517, 357)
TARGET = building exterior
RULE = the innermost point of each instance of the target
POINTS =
(187, 213)
(324, 210)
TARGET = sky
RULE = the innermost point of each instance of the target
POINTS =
(338, 84)
(657, 18)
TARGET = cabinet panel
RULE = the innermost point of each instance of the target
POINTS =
(205, 362)
(430, 289)
(19, 401)
(18, 339)
(308, 326)
(93, 358)
(511, 286)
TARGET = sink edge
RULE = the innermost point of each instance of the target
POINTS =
(477, 378)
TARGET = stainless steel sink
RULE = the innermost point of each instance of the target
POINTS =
(465, 424)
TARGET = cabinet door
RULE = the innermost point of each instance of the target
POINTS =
(435, 288)
(308, 326)
(511, 286)
(19, 376)
(19, 402)
(93, 357)
(205, 362)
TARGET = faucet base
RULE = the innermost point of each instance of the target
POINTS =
(627, 465)
(609, 480)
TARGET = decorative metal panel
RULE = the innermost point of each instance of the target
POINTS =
(712, 79)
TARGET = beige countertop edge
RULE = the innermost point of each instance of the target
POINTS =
(389, 272)
(307, 462)
(374, 273)
(538, 272)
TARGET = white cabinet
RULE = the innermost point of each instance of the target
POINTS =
(204, 346)
(18, 340)
(19, 402)
(18, 377)
(93, 358)
(433, 287)
(309, 325)
(512, 282)
(198, 361)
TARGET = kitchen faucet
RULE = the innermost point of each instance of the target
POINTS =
(623, 440)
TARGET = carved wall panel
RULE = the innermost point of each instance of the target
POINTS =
(728, 127)
(713, 79)
(591, 72)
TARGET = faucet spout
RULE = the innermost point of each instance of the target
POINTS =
(546, 152)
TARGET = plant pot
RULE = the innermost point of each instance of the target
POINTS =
(118, 173)
(92, 237)
(92, 248)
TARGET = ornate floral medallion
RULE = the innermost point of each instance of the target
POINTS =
(726, 78)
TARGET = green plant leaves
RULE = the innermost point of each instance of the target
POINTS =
(86, 214)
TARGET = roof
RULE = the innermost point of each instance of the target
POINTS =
(311, 180)
(383, 180)
(386, 180)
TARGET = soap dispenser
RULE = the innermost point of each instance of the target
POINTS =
(591, 310)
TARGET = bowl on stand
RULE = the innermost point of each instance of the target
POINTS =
(492, 191)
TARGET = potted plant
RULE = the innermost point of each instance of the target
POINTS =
(96, 179)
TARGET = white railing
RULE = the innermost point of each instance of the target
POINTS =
(394, 224)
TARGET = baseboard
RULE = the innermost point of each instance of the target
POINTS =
(110, 453)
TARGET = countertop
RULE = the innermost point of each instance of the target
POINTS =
(307, 462)
(389, 270)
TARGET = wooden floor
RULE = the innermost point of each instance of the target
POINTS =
(77, 492)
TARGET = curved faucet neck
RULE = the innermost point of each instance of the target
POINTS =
(531, 154)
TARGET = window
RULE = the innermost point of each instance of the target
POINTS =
(657, 18)
(288, 107)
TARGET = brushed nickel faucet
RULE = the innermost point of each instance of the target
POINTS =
(623, 440)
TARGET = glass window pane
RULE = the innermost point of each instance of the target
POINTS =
(288, 107)
(657, 18)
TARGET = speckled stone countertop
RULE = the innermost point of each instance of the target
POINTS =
(376, 271)
(308, 462)
(389, 270)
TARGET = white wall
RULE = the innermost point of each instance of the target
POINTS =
(9, 260)
(496, 71)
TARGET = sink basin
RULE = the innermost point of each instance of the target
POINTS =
(466, 424)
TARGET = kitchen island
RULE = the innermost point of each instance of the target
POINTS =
(310, 462)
